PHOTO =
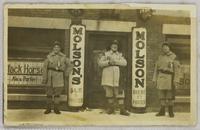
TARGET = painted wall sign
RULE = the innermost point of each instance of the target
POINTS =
(184, 77)
(76, 78)
(139, 67)
(25, 73)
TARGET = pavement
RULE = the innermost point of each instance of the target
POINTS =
(92, 117)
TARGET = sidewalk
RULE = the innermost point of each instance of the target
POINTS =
(93, 117)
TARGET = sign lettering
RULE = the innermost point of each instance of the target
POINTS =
(77, 52)
(25, 73)
(139, 67)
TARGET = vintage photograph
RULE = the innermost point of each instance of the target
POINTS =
(99, 65)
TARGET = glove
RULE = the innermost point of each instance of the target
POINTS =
(121, 90)
(44, 81)
(176, 84)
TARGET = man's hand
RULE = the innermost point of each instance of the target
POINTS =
(176, 84)
(154, 83)
(112, 62)
(44, 81)
(121, 90)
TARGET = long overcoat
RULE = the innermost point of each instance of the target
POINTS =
(166, 71)
(111, 73)
(56, 68)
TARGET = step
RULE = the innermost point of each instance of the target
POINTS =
(182, 99)
(31, 97)
(42, 97)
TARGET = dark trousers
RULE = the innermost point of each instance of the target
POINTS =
(53, 95)
(166, 97)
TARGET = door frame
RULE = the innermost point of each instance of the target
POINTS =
(88, 51)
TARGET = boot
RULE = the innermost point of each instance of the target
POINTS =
(56, 109)
(110, 109)
(48, 109)
(161, 112)
(123, 111)
(171, 113)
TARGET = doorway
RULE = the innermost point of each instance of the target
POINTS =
(97, 43)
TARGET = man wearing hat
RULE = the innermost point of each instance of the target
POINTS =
(56, 68)
(111, 62)
(166, 78)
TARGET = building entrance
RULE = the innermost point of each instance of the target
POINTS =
(98, 42)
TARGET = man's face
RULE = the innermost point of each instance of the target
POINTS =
(114, 47)
(165, 49)
(56, 49)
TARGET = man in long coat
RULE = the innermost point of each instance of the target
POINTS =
(56, 68)
(111, 62)
(166, 78)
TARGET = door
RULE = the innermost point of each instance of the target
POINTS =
(98, 42)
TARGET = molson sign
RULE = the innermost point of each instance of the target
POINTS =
(22, 73)
(139, 68)
(76, 78)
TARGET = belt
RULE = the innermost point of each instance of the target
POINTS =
(113, 65)
(165, 72)
(55, 69)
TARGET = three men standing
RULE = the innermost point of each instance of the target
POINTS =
(57, 66)
(111, 62)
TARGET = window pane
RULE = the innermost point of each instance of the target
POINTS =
(32, 43)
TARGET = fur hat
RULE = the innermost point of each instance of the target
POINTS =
(166, 44)
(57, 43)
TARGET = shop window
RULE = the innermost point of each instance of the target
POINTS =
(32, 43)
(27, 48)
(181, 47)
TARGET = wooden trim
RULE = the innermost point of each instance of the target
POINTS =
(25, 59)
(114, 26)
(67, 42)
(60, 23)
(38, 22)
(182, 99)
(31, 97)
(176, 29)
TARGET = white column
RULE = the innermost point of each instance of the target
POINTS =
(139, 68)
(77, 53)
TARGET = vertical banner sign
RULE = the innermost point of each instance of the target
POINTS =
(76, 78)
(139, 68)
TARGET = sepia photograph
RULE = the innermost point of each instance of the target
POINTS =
(100, 65)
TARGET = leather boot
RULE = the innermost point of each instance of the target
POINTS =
(161, 112)
(123, 111)
(48, 109)
(56, 109)
(171, 113)
(110, 109)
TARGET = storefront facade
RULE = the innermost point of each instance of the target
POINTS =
(84, 38)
